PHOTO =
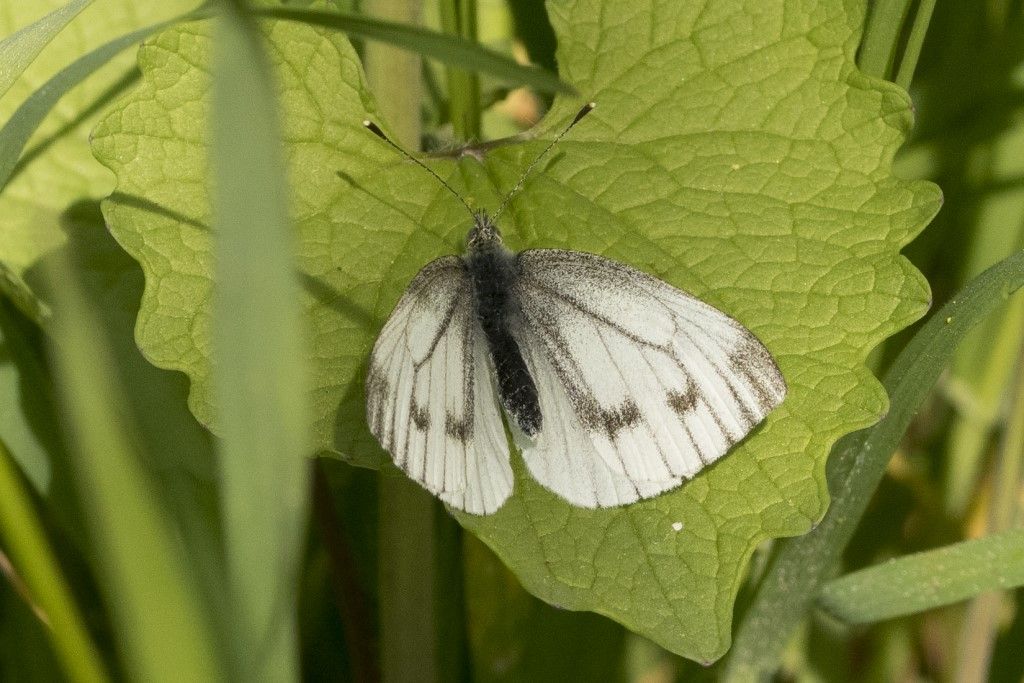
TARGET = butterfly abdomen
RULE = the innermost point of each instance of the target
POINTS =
(492, 270)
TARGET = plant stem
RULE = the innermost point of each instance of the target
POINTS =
(351, 601)
(882, 36)
(458, 17)
(411, 636)
(915, 41)
(394, 75)
(51, 599)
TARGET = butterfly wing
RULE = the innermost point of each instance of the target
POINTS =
(636, 379)
(431, 400)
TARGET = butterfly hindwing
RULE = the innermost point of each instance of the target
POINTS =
(431, 400)
(563, 456)
(651, 381)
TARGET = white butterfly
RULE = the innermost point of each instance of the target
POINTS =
(617, 386)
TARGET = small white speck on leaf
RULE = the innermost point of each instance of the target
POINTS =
(677, 526)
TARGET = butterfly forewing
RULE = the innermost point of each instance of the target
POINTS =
(431, 400)
(658, 383)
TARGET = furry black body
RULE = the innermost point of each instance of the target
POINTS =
(493, 270)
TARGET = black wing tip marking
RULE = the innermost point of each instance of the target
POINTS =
(767, 383)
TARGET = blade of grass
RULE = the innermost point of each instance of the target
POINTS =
(24, 122)
(258, 344)
(799, 566)
(28, 422)
(447, 49)
(458, 18)
(26, 541)
(20, 49)
(927, 580)
(162, 631)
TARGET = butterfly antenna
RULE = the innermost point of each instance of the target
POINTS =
(375, 129)
(587, 108)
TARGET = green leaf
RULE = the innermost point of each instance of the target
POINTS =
(19, 49)
(48, 113)
(258, 348)
(928, 580)
(800, 566)
(735, 153)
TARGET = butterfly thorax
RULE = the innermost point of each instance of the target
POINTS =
(493, 270)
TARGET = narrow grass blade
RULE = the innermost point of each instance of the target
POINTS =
(24, 122)
(20, 49)
(800, 566)
(927, 580)
(259, 373)
(162, 631)
(448, 49)
(28, 420)
(25, 540)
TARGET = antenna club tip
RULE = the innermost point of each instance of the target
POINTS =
(586, 109)
(375, 129)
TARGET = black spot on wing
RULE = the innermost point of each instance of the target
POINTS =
(457, 428)
(609, 421)
(420, 416)
(682, 402)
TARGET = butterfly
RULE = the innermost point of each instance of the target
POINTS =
(617, 385)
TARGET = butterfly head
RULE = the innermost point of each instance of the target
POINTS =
(484, 233)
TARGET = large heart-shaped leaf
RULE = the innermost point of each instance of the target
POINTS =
(736, 152)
